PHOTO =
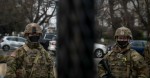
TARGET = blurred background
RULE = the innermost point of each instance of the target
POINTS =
(110, 14)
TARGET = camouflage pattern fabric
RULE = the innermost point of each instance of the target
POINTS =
(30, 26)
(30, 63)
(123, 31)
(147, 54)
(126, 63)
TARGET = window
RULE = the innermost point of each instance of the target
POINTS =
(136, 44)
(12, 39)
(21, 40)
(49, 36)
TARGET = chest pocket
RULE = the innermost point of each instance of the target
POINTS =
(118, 61)
(120, 64)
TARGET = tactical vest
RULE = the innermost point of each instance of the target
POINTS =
(35, 64)
(121, 64)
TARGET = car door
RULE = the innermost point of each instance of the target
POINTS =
(12, 41)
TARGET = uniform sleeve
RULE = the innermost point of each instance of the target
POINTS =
(14, 69)
(101, 71)
(50, 64)
(139, 65)
(147, 54)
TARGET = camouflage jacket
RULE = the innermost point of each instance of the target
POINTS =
(147, 53)
(126, 63)
(30, 63)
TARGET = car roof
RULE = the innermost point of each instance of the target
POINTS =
(13, 37)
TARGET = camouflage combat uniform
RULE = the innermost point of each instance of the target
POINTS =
(123, 61)
(30, 63)
(147, 54)
(125, 64)
(31, 60)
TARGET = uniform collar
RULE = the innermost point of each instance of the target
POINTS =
(117, 49)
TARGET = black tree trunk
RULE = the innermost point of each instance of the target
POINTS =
(75, 25)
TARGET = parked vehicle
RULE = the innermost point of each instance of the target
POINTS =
(11, 42)
(138, 45)
(52, 45)
(45, 40)
(99, 50)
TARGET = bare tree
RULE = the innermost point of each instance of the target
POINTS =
(15, 14)
(37, 10)
(142, 9)
(116, 13)
(10, 19)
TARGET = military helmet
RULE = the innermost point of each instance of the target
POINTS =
(123, 31)
(32, 28)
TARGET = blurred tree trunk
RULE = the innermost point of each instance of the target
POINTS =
(75, 39)
(115, 21)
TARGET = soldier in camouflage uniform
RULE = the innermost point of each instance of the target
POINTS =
(123, 62)
(147, 52)
(31, 60)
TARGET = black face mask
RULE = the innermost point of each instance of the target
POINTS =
(122, 44)
(34, 38)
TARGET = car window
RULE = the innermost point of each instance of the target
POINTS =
(12, 39)
(145, 43)
(21, 40)
(136, 44)
(49, 36)
(54, 37)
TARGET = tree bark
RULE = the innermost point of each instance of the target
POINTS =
(75, 25)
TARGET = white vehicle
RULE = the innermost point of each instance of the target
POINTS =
(52, 45)
(11, 42)
(99, 50)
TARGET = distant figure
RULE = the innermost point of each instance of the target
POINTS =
(31, 60)
(122, 61)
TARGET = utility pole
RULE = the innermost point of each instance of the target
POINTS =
(75, 23)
